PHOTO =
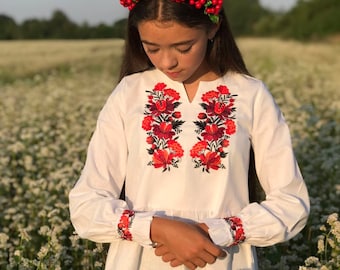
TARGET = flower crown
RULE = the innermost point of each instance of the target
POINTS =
(211, 7)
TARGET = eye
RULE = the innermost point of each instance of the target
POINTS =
(151, 50)
(183, 49)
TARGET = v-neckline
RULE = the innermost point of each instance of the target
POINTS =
(181, 87)
(202, 86)
(191, 97)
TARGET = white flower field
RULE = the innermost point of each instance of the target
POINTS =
(50, 96)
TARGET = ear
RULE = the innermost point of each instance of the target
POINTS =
(212, 32)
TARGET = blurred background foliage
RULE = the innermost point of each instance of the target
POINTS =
(52, 90)
(308, 20)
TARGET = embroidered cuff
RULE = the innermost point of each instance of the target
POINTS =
(125, 223)
(219, 232)
(237, 231)
(140, 228)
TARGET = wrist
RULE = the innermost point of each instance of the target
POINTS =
(155, 232)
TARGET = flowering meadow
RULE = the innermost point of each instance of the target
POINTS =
(50, 96)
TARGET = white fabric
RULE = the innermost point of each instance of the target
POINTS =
(118, 152)
(219, 232)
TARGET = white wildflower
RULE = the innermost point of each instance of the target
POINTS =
(44, 152)
(54, 212)
(321, 244)
(44, 230)
(336, 230)
(332, 218)
(323, 228)
(4, 161)
(331, 242)
(42, 213)
(16, 147)
(17, 253)
(312, 261)
(3, 240)
(11, 210)
(98, 264)
(74, 239)
(24, 235)
(42, 252)
(28, 162)
(337, 188)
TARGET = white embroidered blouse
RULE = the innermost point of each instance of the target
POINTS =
(188, 160)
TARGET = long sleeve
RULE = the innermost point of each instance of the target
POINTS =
(285, 210)
(94, 201)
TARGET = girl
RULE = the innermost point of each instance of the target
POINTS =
(177, 130)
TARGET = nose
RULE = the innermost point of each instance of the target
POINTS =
(168, 60)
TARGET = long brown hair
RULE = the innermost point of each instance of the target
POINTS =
(222, 54)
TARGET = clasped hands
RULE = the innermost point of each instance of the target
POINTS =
(180, 243)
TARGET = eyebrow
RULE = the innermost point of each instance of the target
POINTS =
(186, 42)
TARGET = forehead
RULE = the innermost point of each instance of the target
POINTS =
(167, 32)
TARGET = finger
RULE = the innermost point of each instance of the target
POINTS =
(161, 250)
(207, 257)
(199, 262)
(223, 254)
(190, 265)
(215, 251)
(168, 257)
(175, 263)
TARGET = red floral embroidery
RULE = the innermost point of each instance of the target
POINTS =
(125, 224)
(162, 125)
(215, 126)
(236, 228)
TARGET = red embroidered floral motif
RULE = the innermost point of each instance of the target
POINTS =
(125, 224)
(215, 126)
(162, 124)
(236, 228)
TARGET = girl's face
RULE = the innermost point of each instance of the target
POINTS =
(176, 50)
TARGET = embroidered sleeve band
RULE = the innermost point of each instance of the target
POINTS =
(236, 229)
(124, 225)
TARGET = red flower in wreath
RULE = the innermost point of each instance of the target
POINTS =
(211, 7)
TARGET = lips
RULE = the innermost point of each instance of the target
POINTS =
(172, 74)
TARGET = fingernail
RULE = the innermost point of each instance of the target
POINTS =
(223, 255)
